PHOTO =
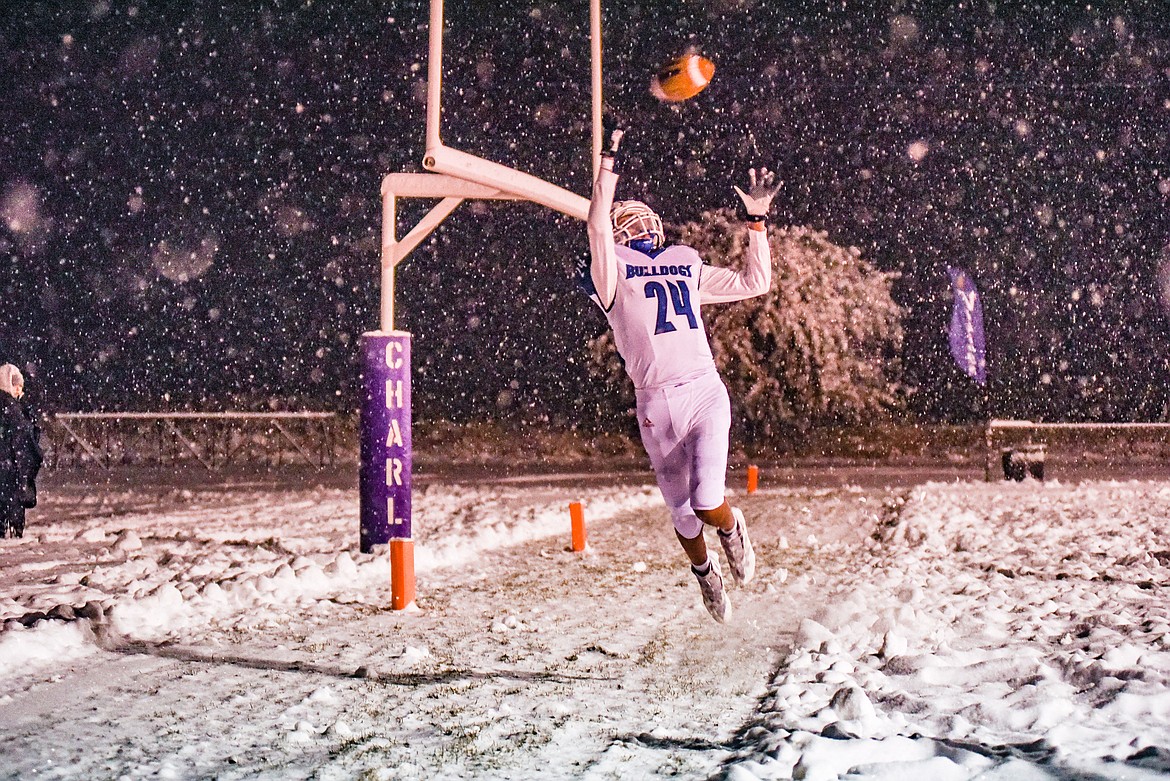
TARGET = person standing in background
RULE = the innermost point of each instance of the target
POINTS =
(20, 453)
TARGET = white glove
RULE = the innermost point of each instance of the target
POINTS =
(615, 138)
(758, 199)
(609, 156)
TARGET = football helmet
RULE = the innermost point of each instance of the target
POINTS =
(633, 220)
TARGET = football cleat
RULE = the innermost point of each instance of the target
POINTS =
(741, 557)
(714, 596)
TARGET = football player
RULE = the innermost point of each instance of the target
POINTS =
(652, 294)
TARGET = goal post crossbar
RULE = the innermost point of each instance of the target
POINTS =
(451, 191)
(458, 175)
(439, 158)
(521, 185)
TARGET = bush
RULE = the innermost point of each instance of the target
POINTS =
(821, 347)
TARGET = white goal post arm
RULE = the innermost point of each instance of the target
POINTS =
(445, 160)
(458, 175)
(451, 190)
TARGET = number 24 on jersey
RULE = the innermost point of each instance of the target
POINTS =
(679, 296)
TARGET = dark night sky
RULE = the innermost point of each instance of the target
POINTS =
(189, 195)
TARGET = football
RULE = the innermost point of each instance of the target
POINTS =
(682, 79)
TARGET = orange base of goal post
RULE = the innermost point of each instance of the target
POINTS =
(577, 518)
(401, 574)
(753, 478)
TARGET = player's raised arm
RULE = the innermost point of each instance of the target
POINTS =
(720, 285)
(603, 266)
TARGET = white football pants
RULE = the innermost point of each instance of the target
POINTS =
(685, 430)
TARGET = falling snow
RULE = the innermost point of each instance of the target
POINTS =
(165, 164)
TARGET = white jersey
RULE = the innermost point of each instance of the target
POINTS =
(655, 317)
(653, 303)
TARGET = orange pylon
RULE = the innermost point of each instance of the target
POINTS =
(401, 574)
(577, 519)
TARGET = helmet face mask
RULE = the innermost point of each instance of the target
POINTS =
(633, 221)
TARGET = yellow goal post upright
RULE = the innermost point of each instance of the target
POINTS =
(455, 176)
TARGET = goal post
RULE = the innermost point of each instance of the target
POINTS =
(461, 165)
(435, 89)
(386, 445)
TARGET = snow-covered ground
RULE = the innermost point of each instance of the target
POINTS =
(938, 631)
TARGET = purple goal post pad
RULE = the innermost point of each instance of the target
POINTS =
(384, 477)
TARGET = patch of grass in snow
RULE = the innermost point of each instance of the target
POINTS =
(653, 651)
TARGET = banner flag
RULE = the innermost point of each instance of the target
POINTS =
(967, 345)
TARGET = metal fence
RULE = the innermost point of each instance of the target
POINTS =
(213, 440)
(1084, 442)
